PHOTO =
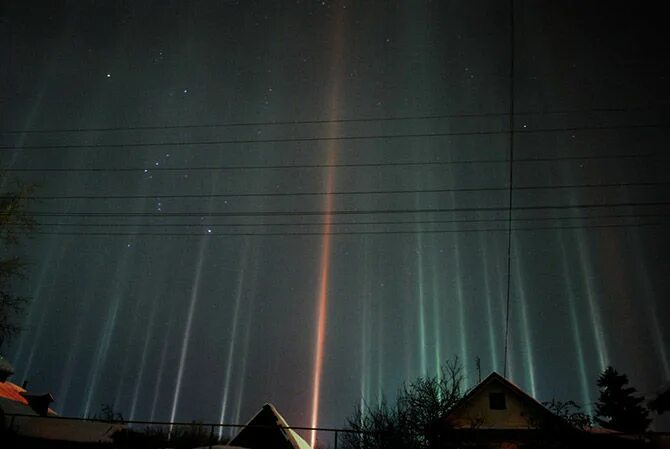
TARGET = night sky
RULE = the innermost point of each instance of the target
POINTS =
(307, 203)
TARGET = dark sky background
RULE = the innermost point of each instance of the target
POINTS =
(180, 269)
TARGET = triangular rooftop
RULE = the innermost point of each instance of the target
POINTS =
(268, 429)
(496, 402)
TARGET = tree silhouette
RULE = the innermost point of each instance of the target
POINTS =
(15, 221)
(618, 408)
(570, 412)
(409, 422)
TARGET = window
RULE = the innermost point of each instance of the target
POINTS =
(497, 401)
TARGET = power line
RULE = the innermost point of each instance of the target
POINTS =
(286, 234)
(326, 138)
(278, 213)
(352, 223)
(317, 121)
(152, 169)
(344, 193)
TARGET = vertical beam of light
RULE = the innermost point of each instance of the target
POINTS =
(574, 321)
(126, 357)
(232, 343)
(322, 297)
(243, 377)
(195, 291)
(143, 358)
(525, 328)
(460, 296)
(421, 306)
(36, 343)
(588, 276)
(83, 309)
(322, 301)
(119, 281)
(640, 265)
(584, 267)
(161, 365)
(485, 259)
(365, 352)
(36, 106)
(195, 294)
(66, 375)
(409, 328)
(460, 302)
(101, 356)
(40, 301)
(244, 359)
(380, 353)
(437, 317)
(122, 271)
(142, 204)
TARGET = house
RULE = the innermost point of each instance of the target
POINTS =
(268, 429)
(27, 421)
(16, 400)
(498, 414)
(498, 404)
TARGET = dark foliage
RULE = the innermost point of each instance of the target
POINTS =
(107, 413)
(618, 408)
(571, 413)
(407, 423)
(179, 437)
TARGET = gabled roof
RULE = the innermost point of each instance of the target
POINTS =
(12, 392)
(498, 380)
(15, 399)
(268, 429)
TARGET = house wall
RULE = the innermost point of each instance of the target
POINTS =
(476, 413)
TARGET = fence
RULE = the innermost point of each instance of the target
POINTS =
(185, 433)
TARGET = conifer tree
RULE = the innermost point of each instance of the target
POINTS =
(618, 408)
